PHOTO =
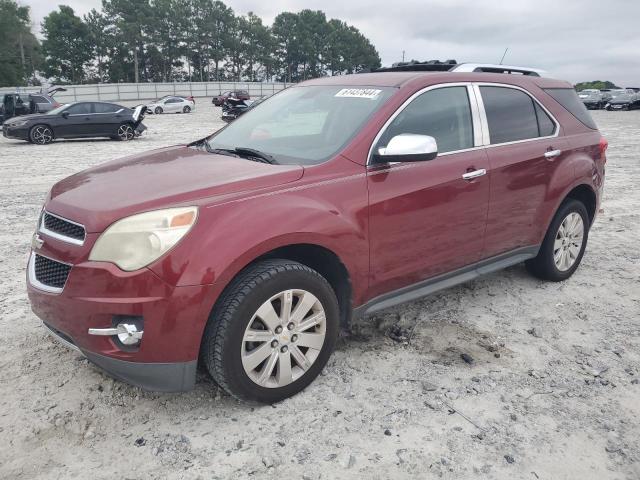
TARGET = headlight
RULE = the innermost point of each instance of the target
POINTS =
(18, 123)
(134, 242)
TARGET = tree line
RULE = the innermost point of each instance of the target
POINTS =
(177, 40)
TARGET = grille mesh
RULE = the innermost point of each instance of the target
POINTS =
(51, 273)
(63, 227)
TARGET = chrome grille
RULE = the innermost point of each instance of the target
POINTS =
(50, 273)
(62, 228)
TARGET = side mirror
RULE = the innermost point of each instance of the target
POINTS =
(65, 114)
(408, 147)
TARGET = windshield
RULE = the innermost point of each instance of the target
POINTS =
(57, 110)
(303, 125)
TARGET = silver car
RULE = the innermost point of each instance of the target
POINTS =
(171, 104)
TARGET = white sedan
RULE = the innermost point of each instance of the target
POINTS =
(171, 105)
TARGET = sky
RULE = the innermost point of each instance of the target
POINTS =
(575, 40)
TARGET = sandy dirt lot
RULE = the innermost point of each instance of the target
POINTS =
(552, 392)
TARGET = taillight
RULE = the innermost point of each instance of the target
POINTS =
(56, 104)
(603, 148)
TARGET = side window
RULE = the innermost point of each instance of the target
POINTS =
(79, 109)
(105, 108)
(173, 100)
(546, 126)
(443, 113)
(511, 114)
(39, 99)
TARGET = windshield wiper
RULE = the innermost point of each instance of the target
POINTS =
(251, 152)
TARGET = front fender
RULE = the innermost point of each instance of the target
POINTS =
(327, 212)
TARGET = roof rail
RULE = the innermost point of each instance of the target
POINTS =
(453, 66)
(492, 68)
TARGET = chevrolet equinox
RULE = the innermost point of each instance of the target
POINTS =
(249, 250)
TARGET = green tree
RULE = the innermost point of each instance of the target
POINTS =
(597, 84)
(66, 45)
(19, 49)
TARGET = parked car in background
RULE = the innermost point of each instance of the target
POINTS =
(172, 104)
(624, 101)
(20, 103)
(592, 99)
(232, 108)
(247, 251)
(78, 120)
(218, 100)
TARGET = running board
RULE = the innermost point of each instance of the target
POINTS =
(446, 280)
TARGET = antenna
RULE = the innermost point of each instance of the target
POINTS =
(504, 55)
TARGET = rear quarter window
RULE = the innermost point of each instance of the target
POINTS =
(568, 98)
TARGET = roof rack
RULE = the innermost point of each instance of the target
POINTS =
(453, 66)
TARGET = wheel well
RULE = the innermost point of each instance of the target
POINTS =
(586, 195)
(327, 264)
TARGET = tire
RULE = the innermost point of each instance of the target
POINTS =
(41, 134)
(560, 255)
(125, 132)
(263, 287)
(158, 110)
(186, 109)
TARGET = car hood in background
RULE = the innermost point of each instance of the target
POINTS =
(172, 176)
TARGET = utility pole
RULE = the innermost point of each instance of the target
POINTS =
(403, 55)
(21, 52)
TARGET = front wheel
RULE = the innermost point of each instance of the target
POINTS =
(272, 331)
(158, 110)
(563, 245)
(41, 135)
(125, 132)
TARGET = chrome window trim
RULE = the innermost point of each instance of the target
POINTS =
(31, 268)
(57, 236)
(473, 105)
(487, 140)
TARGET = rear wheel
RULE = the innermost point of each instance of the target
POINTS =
(271, 332)
(125, 132)
(158, 110)
(41, 134)
(563, 245)
(186, 109)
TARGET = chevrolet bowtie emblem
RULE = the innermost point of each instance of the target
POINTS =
(36, 242)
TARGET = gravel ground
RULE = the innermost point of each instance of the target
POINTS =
(551, 390)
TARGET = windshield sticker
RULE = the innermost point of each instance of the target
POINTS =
(370, 93)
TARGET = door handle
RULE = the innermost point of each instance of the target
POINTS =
(551, 154)
(474, 174)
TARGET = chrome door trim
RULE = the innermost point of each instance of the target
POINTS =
(474, 116)
(487, 138)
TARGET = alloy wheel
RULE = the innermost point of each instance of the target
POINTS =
(283, 338)
(568, 242)
(41, 135)
(125, 132)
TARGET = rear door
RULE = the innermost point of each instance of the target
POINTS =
(524, 149)
(425, 219)
(106, 119)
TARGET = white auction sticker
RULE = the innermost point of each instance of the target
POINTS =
(370, 93)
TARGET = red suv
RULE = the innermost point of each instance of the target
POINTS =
(250, 249)
(218, 100)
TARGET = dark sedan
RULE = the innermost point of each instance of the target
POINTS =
(78, 120)
(625, 101)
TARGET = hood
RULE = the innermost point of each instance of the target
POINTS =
(168, 177)
(19, 118)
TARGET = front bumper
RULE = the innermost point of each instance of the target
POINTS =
(156, 377)
(19, 133)
(97, 294)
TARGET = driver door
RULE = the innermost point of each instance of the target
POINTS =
(425, 219)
